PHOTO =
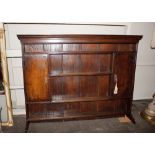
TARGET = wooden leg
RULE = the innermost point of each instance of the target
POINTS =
(27, 126)
(131, 118)
(124, 119)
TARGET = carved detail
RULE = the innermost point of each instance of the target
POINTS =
(34, 48)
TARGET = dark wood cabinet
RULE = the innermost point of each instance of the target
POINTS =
(78, 76)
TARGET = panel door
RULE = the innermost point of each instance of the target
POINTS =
(123, 79)
(36, 77)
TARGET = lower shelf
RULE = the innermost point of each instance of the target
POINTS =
(79, 117)
(77, 110)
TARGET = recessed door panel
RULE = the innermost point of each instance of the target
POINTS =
(124, 74)
(36, 77)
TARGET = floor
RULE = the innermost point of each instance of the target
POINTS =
(109, 125)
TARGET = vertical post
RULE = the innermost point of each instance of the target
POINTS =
(0, 120)
(5, 78)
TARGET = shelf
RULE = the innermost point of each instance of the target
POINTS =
(79, 74)
(46, 117)
(62, 99)
(43, 117)
(80, 52)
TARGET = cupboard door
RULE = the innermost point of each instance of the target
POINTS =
(124, 68)
(36, 77)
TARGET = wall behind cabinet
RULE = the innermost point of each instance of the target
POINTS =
(145, 71)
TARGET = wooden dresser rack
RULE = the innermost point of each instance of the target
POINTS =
(70, 77)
